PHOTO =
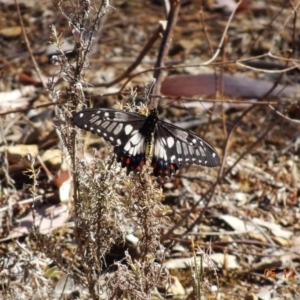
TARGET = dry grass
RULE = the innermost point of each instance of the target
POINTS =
(139, 237)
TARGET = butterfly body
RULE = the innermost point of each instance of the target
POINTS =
(131, 134)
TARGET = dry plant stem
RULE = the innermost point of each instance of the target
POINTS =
(197, 278)
(222, 245)
(164, 48)
(222, 91)
(50, 176)
(26, 201)
(221, 171)
(261, 231)
(140, 57)
(79, 67)
(4, 170)
(249, 67)
(33, 174)
(28, 45)
(294, 28)
(89, 249)
(269, 54)
(167, 6)
(287, 20)
(211, 53)
(253, 243)
(205, 30)
(282, 115)
(261, 103)
(223, 36)
(293, 47)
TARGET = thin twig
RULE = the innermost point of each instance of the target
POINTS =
(138, 60)
(28, 46)
(164, 48)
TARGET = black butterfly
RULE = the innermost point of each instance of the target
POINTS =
(131, 134)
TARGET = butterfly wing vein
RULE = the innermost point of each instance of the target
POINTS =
(183, 147)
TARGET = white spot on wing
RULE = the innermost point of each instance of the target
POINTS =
(136, 139)
(111, 126)
(178, 147)
(118, 129)
(202, 151)
(106, 114)
(94, 119)
(136, 142)
(160, 151)
(105, 124)
(81, 115)
(135, 145)
(121, 116)
(185, 150)
(170, 142)
(128, 128)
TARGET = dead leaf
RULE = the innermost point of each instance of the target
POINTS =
(231, 85)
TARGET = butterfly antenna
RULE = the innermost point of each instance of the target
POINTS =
(149, 90)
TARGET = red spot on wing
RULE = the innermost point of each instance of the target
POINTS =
(128, 161)
(163, 167)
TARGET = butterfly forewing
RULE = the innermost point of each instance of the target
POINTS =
(185, 147)
(114, 126)
(121, 129)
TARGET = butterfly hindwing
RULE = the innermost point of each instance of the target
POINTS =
(175, 147)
